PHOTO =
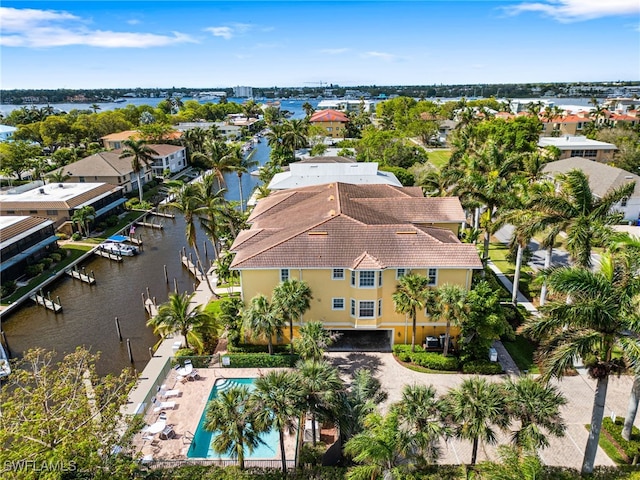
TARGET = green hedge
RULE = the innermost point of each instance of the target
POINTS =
(630, 448)
(251, 348)
(196, 360)
(431, 360)
(482, 367)
(234, 473)
(260, 360)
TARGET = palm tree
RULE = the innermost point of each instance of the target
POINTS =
(141, 155)
(58, 176)
(292, 299)
(188, 200)
(213, 155)
(279, 400)
(577, 211)
(262, 319)
(95, 107)
(178, 316)
(536, 407)
(82, 217)
(422, 414)
(308, 109)
(449, 305)
(233, 421)
(295, 135)
(321, 385)
(382, 448)
(594, 323)
(314, 339)
(411, 295)
(473, 409)
(243, 165)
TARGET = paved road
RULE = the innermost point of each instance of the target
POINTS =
(567, 451)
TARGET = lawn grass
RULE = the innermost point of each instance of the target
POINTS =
(609, 448)
(75, 252)
(498, 253)
(521, 350)
(438, 158)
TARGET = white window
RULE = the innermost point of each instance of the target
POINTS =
(338, 274)
(401, 272)
(284, 274)
(337, 303)
(353, 307)
(367, 279)
(432, 275)
(379, 307)
(353, 278)
(366, 309)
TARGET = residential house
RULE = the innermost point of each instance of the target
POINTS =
(6, 132)
(602, 179)
(351, 244)
(570, 124)
(332, 121)
(319, 170)
(579, 146)
(24, 240)
(58, 202)
(343, 105)
(620, 119)
(115, 141)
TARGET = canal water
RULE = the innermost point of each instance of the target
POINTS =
(88, 316)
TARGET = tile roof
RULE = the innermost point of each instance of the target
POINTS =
(353, 226)
(20, 225)
(328, 116)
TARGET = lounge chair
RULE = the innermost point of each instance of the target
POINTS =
(164, 406)
(170, 393)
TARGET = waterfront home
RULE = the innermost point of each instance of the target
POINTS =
(351, 244)
(579, 146)
(346, 105)
(6, 132)
(58, 202)
(24, 240)
(602, 179)
(115, 141)
(333, 122)
(570, 124)
(319, 170)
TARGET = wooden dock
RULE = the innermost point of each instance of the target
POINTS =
(193, 270)
(150, 307)
(159, 226)
(109, 255)
(162, 214)
(81, 276)
(45, 302)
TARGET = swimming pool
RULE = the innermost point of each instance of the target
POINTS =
(201, 444)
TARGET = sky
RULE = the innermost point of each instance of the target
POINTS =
(202, 44)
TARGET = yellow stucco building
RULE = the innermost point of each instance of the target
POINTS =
(351, 244)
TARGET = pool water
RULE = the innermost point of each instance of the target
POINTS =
(201, 443)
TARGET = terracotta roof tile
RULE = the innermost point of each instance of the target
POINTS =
(328, 116)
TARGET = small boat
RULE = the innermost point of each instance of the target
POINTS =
(119, 248)
(120, 100)
(5, 368)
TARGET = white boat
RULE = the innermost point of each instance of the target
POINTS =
(5, 368)
(119, 248)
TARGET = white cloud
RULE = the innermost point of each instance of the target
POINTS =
(381, 55)
(229, 31)
(133, 21)
(48, 28)
(334, 51)
(577, 10)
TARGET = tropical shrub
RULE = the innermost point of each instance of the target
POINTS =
(112, 220)
(7, 288)
(47, 262)
(62, 236)
(252, 348)
(260, 360)
(197, 361)
(132, 203)
(76, 236)
(33, 270)
(55, 257)
(482, 367)
(630, 448)
(435, 361)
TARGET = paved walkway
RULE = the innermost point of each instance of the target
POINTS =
(567, 451)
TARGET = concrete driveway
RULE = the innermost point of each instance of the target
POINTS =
(567, 451)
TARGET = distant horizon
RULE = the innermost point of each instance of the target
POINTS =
(76, 45)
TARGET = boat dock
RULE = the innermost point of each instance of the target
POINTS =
(83, 277)
(162, 214)
(47, 303)
(159, 226)
(193, 269)
(109, 255)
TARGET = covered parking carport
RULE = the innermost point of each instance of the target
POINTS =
(356, 340)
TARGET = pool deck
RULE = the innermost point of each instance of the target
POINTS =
(185, 416)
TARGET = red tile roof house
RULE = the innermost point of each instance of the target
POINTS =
(351, 244)
(333, 121)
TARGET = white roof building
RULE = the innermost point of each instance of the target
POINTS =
(580, 146)
(320, 170)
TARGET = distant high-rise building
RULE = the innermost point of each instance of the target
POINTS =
(242, 92)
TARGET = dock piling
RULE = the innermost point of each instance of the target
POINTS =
(144, 304)
(166, 275)
(150, 353)
(175, 284)
(118, 329)
(148, 294)
(58, 300)
(129, 350)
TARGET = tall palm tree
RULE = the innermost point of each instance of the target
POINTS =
(536, 407)
(596, 321)
(308, 109)
(188, 200)
(576, 210)
(473, 409)
(213, 155)
(177, 315)
(411, 295)
(449, 304)
(262, 319)
(314, 339)
(292, 299)
(82, 217)
(142, 155)
(295, 135)
(422, 413)
(279, 399)
(229, 416)
(321, 385)
(58, 176)
(243, 165)
(214, 211)
(95, 107)
(382, 449)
